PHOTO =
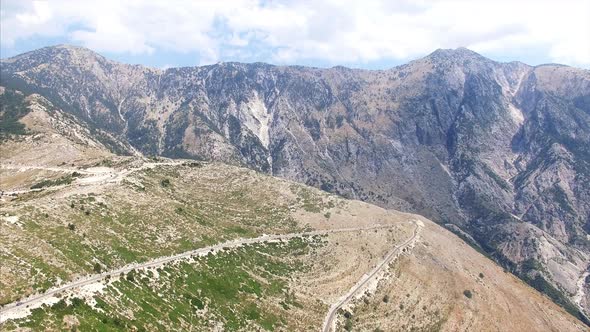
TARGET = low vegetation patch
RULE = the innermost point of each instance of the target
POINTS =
(244, 289)
(67, 179)
(12, 108)
(165, 183)
(310, 201)
(468, 294)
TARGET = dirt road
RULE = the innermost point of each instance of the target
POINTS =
(90, 176)
(329, 320)
(7, 312)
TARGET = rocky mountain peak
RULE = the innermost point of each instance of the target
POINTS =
(458, 55)
(66, 54)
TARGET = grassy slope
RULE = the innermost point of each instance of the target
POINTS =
(239, 289)
(12, 108)
(157, 213)
(171, 209)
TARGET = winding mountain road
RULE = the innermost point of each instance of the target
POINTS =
(329, 320)
(37, 300)
(101, 175)
(90, 176)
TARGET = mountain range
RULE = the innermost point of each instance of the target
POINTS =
(498, 153)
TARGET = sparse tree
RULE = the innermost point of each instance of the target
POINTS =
(348, 325)
(468, 293)
(131, 276)
(347, 314)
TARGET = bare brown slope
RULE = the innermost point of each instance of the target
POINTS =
(424, 287)
(51, 138)
(426, 293)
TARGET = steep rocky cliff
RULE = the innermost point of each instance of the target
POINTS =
(499, 152)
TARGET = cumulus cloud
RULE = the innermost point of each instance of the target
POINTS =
(40, 14)
(331, 31)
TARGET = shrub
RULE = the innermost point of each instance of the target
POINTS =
(77, 302)
(51, 183)
(12, 108)
(60, 305)
(386, 298)
(348, 325)
(165, 183)
(71, 226)
(467, 293)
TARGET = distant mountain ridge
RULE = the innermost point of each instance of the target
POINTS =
(500, 150)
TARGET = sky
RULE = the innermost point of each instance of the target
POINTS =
(374, 34)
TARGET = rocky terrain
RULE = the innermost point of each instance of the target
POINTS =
(94, 241)
(497, 152)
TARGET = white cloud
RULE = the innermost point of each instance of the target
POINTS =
(40, 14)
(332, 31)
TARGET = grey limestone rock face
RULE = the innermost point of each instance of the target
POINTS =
(499, 149)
